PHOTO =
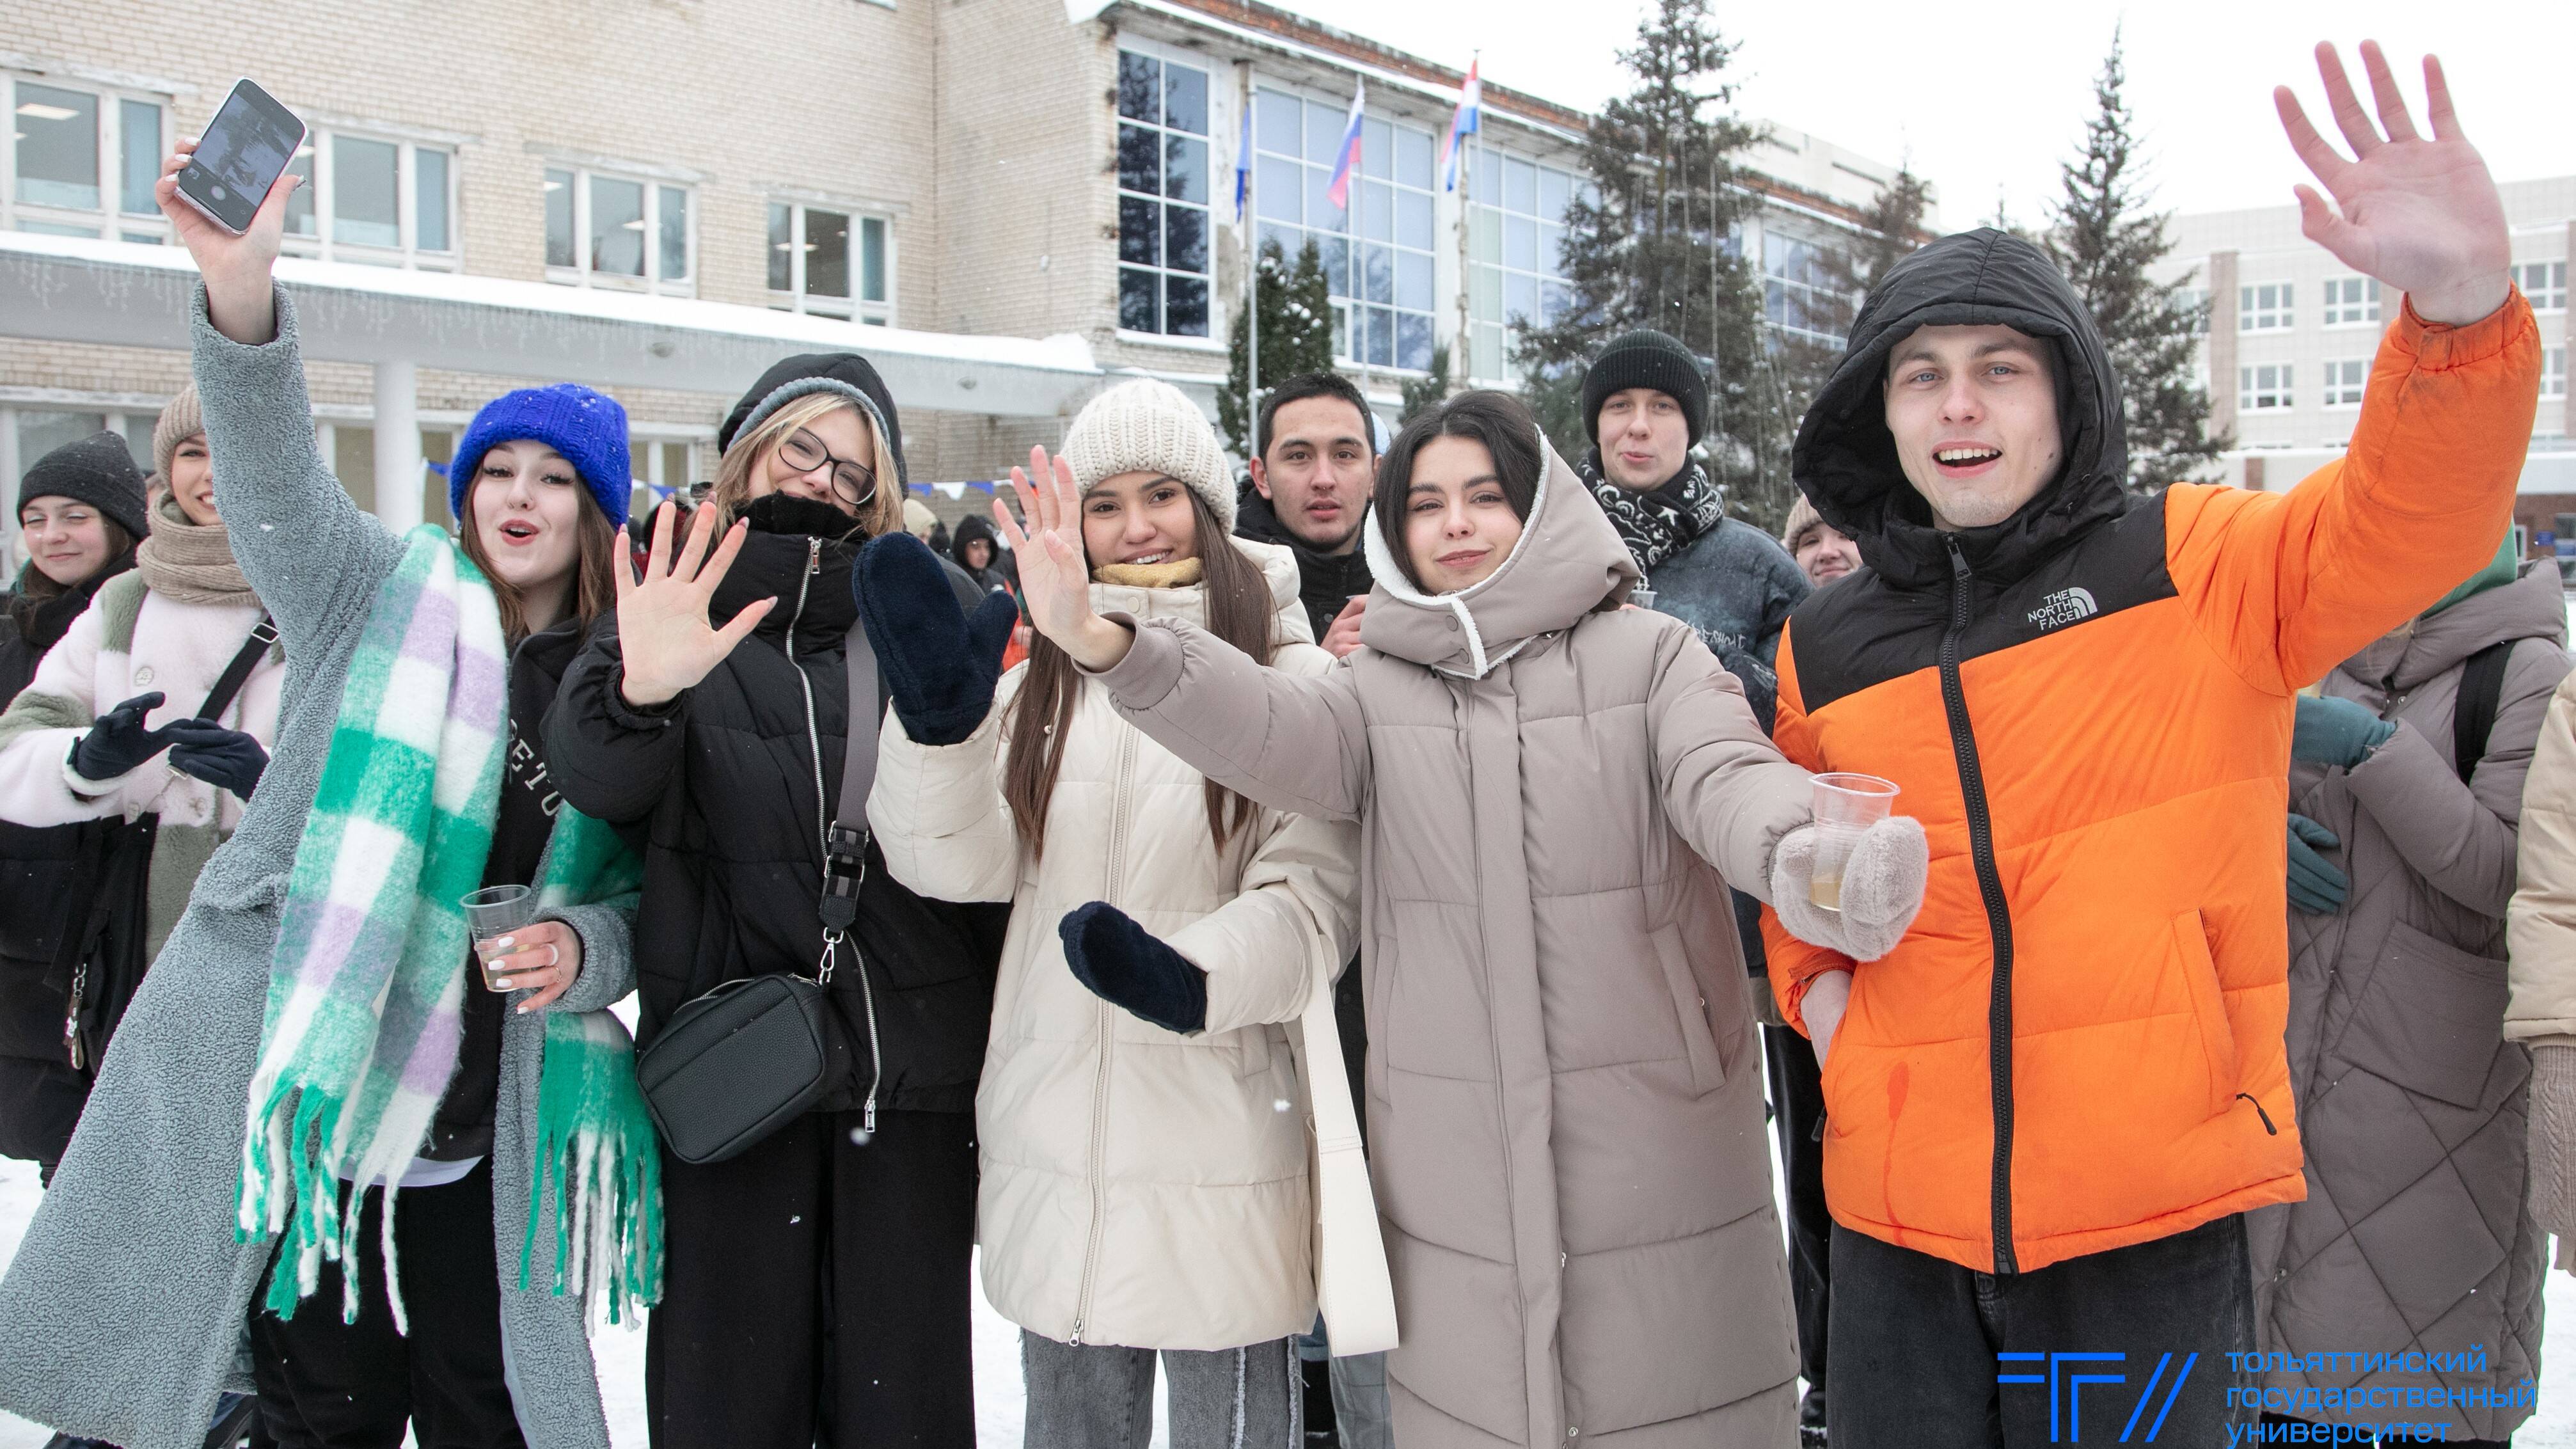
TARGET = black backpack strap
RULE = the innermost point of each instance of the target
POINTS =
(2474, 713)
(236, 674)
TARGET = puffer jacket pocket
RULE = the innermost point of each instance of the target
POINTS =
(1699, 1043)
(2208, 1007)
(2431, 1018)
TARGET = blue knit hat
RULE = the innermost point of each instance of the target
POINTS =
(587, 427)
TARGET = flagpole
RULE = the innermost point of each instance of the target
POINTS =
(1466, 193)
(1252, 273)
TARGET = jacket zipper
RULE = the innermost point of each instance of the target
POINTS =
(1990, 884)
(822, 827)
(1108, 1040)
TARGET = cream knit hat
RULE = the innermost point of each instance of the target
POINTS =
(1149, 426)
(181, 420)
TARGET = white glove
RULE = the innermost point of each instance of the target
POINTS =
(1882, 888)
(2553, 1144)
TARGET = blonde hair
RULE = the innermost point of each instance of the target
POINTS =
(881, 514)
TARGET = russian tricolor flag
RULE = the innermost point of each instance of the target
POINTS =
(1469, 120)
(1349, 165)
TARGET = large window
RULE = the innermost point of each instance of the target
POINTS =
(1515, 278)
(2545, 283)
(374, 199)
(607, 230)
(1799, 297)
(1163, 230)
(82, 162)
(2350, 301)
(1376, 254)
(2553, 372)
(2346, 380)
(2264, 388)
(822, 259)
(2194, 301)
(2263, 307)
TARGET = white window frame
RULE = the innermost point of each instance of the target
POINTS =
(1776, 287)
(315, 157)
(2194, 301)
(1294, 234)
(2545, 283)
(879, 313)
(580, 273)
(2346, 380)
(1162, 270)
(2553, 371)
(2352, 301)
(2265, 306)
(1491, 326)
(107, 220)
(2257, 393)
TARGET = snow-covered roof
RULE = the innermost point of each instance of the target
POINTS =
(78, 289)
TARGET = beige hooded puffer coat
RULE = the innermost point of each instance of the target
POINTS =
(1140, 1187)
(1564, 1088)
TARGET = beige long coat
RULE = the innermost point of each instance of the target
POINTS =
(1139, 1187)
(1564, 1089)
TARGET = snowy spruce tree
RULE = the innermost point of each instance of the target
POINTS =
(1296, 306)
(2108, 242)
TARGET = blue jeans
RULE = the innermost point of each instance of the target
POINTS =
(1920, 1344)
(1100, 1396)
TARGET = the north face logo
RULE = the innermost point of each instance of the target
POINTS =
(2066, 606)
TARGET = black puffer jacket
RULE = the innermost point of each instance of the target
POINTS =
(716, 790)
(1325, 582)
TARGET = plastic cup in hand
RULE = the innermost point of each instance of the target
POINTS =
(492, 914)
(1846, 807)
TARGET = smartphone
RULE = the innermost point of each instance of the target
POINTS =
(250, 141)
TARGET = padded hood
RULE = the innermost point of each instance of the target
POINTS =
(1845, 459)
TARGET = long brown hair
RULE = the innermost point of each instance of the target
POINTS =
(594, 588)
(1239, 612)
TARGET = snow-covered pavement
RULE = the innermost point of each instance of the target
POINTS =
(998, 1404)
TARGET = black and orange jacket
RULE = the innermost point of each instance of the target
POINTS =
(2079, 1044)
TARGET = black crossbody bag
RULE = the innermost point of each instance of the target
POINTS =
(745, 1059)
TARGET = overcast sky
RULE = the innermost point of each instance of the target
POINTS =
(1986, 97)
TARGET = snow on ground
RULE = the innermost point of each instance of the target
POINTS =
(999, 1407)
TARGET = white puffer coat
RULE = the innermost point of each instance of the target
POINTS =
(1139, 1187)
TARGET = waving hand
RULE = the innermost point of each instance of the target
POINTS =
(2420, 213)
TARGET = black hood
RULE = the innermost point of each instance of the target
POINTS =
(1846, 462)
(844, 374)
(970, 529)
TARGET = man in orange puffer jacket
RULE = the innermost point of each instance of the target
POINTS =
(2049, 1106)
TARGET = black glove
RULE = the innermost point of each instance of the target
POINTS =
(2316, 888)
(939, 663)
(117, 742)
(225, 759)
(1125, 966)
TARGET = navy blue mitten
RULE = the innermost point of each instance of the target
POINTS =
(940, 663)
(226, 759)
(1125, 966)
(117, 742)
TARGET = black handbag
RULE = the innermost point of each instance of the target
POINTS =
(741, 1061)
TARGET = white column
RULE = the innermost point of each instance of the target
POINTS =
(398, 467)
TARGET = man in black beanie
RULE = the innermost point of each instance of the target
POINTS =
(1645, 405)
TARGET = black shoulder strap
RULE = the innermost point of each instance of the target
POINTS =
(2473, 715)
(237, 673)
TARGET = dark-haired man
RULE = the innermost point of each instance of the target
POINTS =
(1314, 462)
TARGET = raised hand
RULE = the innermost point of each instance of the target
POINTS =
(1055, 578)
(663, 631)
(236, 268)
(2419, 213)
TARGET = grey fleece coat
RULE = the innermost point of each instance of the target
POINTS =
(2414, 1235)
(1564, 1087)
(122, 1316)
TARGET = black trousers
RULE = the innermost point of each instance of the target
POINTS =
(1798, 1112)
(1930, 1355)
(324, 1384)
(816, 1291)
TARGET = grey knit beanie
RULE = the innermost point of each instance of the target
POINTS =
(181, 420)
(1150, 426)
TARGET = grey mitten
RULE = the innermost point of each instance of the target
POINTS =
(2553, 1145)
(1882, 888)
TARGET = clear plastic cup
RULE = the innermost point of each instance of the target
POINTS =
(492, 913)
(1846, 806)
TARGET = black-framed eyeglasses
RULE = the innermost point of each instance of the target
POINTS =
(856, 482)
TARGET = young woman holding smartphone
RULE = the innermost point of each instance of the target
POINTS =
(410, 1131)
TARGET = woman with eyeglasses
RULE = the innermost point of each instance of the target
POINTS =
(815, 1285)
